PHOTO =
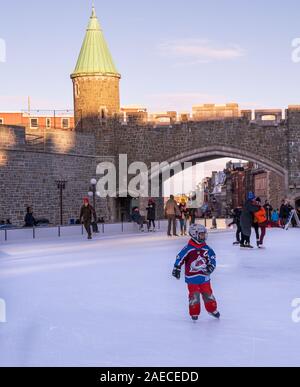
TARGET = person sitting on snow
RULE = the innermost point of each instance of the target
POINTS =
(138, 218)
(30, 220)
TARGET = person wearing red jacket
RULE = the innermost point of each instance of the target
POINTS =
(200, 262)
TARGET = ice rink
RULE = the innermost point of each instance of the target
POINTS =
(113, 302)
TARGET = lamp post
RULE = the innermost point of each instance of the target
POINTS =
(92, 192)
(61, 186)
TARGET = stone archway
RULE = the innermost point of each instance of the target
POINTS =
(215, 152)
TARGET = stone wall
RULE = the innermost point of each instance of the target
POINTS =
(276, 189)
(28, 175)
(31, 162)
(238, 138)
(95, 96)
(12, 137)
(60, 141)
(293, 138)
(28, 179)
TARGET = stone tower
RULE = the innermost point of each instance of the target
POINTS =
(95, 80)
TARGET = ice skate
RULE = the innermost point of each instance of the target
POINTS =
(215, 315)
(195, 318)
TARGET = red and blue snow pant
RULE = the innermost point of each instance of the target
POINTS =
(204, 290)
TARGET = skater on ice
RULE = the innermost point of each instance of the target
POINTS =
(184, 217)
(151, 214)
(171, 211)
(86, 214)
(200, 262)
(247, 220)
(237, 221)
(261, 222)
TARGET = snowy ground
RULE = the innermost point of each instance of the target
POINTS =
(113, 302)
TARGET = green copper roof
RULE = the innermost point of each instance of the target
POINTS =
(94, 57)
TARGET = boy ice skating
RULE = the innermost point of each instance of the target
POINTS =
(200, 262)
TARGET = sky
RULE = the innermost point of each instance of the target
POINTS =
(172, 54)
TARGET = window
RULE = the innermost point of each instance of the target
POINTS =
(77, 92)
(268, 118)
(48, 122)
(103, 114)
(34, 123)
(1, 121)
(65, 123)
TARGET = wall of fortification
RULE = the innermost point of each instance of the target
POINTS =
(28, 175)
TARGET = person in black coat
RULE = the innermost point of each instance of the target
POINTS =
(247, 219)
(269, 210)
(29, 218)
(284, 213)
(237, 212)
(151, 214)
(87, 212)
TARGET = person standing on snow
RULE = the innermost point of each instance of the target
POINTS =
(184, 216)
(261, 219)
(151, 214)
(86, 214)
(283, 213)
(171, 211)
(237, 221)
(200, 262)
(275, 218)
(269, 210)
(247, 219)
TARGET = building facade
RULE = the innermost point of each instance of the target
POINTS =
(32, 159)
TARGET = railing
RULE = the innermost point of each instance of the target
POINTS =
(13, 233)
(33, 232)
(32, 139)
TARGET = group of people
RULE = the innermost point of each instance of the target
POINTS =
(259, 217)
(285, 212)
(173, 211)
(140, 220)
(252, 215)
(181, 212)
(200, 260)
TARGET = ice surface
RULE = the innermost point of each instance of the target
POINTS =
(113, 302)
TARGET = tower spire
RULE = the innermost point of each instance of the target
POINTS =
(93, 9)
(95, 78)
(95, 57)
